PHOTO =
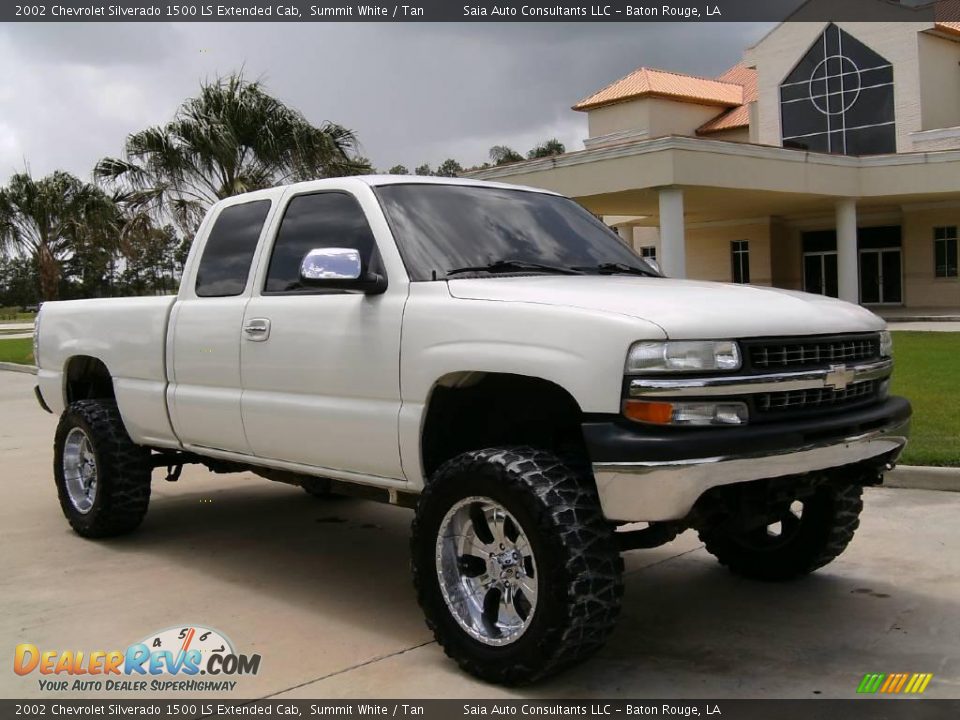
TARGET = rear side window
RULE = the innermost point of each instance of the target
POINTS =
(229, 251)
(323, 220)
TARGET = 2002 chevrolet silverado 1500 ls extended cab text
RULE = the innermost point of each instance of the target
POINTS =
(497, 358)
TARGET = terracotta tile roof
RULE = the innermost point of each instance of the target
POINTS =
(946, 13)
(647, 82)
(950, 27)
(739, 116)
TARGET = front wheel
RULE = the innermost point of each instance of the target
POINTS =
(807, 534)
(516, 570)
(102, 477)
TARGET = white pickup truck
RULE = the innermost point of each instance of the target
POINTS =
(497, 358)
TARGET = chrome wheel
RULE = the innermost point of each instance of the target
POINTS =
(487, 571)
(788, 523)
(80, 470)
(784, 529)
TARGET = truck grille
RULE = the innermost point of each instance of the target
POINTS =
(815, 398)
(799, 353)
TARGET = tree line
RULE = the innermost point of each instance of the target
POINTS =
(498, 154)
(128, 231)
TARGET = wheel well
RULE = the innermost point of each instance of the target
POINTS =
(87, 378)
(471, 410)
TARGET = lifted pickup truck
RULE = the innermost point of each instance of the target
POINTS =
(498, 359)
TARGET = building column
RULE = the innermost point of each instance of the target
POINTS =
(848, 265)
(673, 245)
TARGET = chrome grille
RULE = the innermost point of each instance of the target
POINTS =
(800, 353)
(815, 398)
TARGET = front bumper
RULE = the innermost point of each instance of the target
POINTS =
(644, 476)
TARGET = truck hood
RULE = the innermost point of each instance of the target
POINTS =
(685, 309)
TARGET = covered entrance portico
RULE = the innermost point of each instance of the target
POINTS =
(860, 228)
(879, 263)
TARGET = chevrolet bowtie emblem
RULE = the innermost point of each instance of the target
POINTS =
(839, 377)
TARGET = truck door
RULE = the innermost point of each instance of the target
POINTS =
(321, 368)
(204, 358)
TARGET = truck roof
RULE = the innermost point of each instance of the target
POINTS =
(378, 180)
(342, 183)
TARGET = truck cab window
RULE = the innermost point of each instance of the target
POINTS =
(229, 251)
(321, 220)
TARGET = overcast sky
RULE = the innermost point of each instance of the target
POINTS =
(414, 93)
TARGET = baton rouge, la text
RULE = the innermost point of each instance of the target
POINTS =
(667, 11)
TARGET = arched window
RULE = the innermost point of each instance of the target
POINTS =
(839, 99)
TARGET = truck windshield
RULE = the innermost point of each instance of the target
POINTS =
(449, 230)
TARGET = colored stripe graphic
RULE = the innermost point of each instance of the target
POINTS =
(894, 683)
(870, 683)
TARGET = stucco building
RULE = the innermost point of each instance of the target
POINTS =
(827, 160)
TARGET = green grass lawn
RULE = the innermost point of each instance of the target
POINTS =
(928, 374)
(7, 315)
(17, 351)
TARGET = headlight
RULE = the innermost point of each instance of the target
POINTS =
(886, 344)
(694, 413)
(683, 356)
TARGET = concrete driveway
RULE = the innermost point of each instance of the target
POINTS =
(320, 589)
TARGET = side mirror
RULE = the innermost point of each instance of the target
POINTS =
(654, 264)
(339, 268)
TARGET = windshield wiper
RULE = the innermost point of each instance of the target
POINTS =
(611, 268)
(514, 266)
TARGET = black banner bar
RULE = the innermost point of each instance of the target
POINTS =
(473, 11)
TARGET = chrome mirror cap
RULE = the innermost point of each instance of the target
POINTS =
(331, 264)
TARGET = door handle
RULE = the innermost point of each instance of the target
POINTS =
(257, 329)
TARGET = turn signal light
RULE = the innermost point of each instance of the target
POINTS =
(686, 413)
(656, 413)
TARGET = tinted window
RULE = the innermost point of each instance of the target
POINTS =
(228, 253)
(324, 220)
(839, 99)
(443, 227)
(740, 260)
(945, 251)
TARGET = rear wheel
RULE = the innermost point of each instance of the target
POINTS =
(102, 477)
(804, 536)
(516, 569)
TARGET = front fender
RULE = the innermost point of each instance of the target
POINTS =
(582, 351)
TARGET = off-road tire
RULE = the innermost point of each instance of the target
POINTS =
(827, 526)
(577, 558)
(123, 471)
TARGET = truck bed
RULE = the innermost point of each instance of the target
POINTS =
(129, 336)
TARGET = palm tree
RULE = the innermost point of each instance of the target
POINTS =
(501, 155)
(232, 138)
(50, 219)
(547, 149)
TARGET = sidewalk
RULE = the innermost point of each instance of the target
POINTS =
(924, 326)
(918, 314)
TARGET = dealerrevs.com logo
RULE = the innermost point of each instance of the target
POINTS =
(167, 661)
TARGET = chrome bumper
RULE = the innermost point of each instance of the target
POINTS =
(655, 491)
